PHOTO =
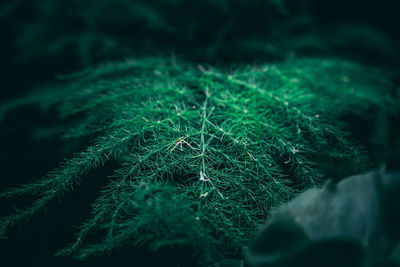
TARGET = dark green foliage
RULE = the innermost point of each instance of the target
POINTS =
(200, 154)
(93, 30)
(203, 153)
(85, 31)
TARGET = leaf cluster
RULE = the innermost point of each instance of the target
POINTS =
(203, 153)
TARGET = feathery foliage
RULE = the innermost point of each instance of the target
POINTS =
(203, 153)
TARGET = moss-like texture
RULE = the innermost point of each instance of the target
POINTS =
(203, 153)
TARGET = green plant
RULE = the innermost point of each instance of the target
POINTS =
(203, 153)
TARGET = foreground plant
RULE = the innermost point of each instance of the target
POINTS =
(203, 153)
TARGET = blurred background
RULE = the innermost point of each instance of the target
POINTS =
(43, 39)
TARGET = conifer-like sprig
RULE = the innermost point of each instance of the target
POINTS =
(203, 153)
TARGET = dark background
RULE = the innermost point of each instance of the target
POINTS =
(236, 33)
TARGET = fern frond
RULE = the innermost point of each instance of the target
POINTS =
(203, 153)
